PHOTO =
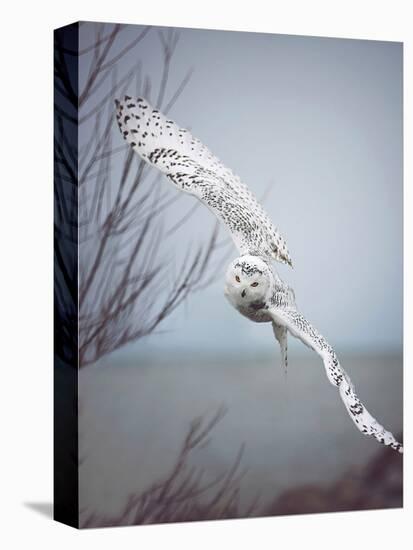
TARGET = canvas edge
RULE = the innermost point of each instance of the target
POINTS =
(65, 384)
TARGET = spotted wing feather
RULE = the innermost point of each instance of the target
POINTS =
(194, 169)
(299, 327)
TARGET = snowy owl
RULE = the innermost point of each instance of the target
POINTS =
(252, 285)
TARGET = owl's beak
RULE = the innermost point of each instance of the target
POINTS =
(243, 293)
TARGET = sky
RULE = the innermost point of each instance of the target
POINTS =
(315, 126)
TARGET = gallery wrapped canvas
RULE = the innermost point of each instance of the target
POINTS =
(228, 274)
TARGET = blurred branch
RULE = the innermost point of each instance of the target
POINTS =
(185, 494)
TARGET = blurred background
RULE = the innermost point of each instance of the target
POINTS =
(184, 409)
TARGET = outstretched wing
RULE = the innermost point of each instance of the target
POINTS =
(195, 170)
(299, 327)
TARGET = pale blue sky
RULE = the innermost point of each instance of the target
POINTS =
(319, 121)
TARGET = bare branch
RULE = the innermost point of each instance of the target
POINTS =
(184, 494)
(122, 266)
(98, 65)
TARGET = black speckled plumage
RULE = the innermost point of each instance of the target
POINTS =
(195, 170)
(192, 168)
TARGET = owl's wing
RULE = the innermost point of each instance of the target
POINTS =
(299, 327)
(195, 170)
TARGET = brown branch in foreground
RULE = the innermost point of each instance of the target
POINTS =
(185, 493)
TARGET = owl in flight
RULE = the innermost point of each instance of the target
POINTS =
(252, 285)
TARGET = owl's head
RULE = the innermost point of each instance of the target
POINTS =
(248, 280)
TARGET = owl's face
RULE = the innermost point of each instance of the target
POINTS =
(247, 281)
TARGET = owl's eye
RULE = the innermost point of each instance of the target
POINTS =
(237, 279)
(254, 284)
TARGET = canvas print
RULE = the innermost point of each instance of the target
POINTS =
(228, 275)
